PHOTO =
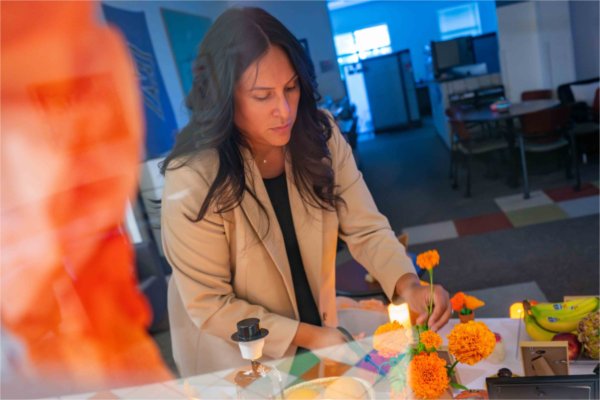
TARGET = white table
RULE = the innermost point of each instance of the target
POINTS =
(218, 385)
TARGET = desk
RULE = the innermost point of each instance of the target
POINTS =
(515, 110)
(333, 361)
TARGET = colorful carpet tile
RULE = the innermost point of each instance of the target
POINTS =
(431, 232)
(568, 193)
(482, 224)
(515, 212)
(517, 202)
(536, 215)
(581, 207)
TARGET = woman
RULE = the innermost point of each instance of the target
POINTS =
(257, 188)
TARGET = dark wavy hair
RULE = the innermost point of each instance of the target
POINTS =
(239, 37)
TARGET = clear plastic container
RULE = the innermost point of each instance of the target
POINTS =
(258, 381)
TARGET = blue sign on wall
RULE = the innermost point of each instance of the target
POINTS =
(160, 120)
(185, 33)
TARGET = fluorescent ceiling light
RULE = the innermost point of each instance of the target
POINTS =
(338, 4)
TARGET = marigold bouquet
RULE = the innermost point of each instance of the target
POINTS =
(415, 365)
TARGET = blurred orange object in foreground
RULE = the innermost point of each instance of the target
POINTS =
(71, 143)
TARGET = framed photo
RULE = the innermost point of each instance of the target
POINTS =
(445, 354)
(544, 358)
(548, 387)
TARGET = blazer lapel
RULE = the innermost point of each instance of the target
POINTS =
(273, 241)
(308, 224)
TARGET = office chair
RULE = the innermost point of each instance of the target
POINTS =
(468, 142)
(542, 94)
(547, 130)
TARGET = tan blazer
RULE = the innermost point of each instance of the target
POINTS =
(223, 272)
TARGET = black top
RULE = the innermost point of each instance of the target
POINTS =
(278, 193)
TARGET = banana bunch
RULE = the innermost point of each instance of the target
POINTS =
(535, 331)
(544, 320)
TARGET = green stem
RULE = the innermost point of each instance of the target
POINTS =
(451, 368)
(451, 374)
(430, 308)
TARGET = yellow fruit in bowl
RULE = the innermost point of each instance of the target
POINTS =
(302, 394)
(345, 388)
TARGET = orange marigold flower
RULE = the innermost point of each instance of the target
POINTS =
(472, 302)
(428, 260)
(430, 339)
(458, 301)
(471, 342)
(427, 375)
(391, 339)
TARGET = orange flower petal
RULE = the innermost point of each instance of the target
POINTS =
(428, 260)
(458, 301)
(430, 339)
(473, 303)
(471, 342)
(427, 376)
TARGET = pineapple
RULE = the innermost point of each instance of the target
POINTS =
(589, 334)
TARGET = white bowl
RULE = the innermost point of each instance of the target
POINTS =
(320, 385)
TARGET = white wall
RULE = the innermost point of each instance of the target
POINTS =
(555, 43)
(586, 33)
(536, 46)
(519, 55)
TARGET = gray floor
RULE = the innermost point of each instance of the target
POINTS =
(499, 299)
(561, 257)
(407, 173)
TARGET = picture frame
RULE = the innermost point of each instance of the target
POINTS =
(445, 354)
(544, 358)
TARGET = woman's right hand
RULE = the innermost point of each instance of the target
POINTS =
(313, 337)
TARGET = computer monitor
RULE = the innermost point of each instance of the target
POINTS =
(452, 53)
(547, 387)
(485, 50)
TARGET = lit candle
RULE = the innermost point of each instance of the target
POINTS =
(516, 311)
(399, 313)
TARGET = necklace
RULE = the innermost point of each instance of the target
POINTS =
(263, 159)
